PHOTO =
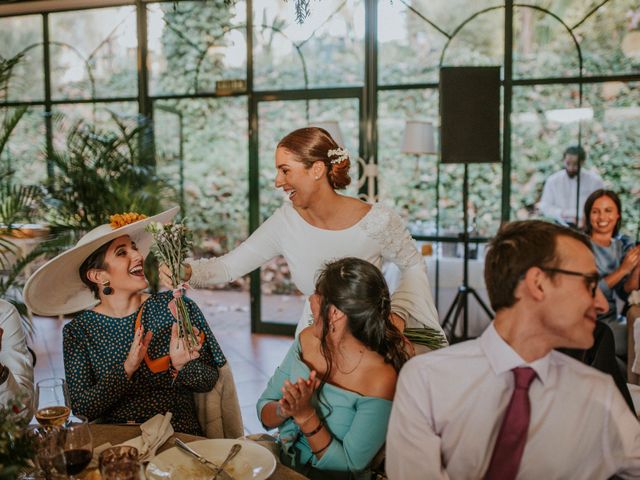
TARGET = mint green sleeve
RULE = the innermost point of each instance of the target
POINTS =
(282, 373)
(362, 441)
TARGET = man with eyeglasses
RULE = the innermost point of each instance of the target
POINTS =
(508, 405)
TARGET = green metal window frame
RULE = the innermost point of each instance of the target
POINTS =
(367, 95)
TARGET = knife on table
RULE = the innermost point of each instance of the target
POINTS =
(217, 469)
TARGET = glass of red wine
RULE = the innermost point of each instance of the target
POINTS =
(78, 444)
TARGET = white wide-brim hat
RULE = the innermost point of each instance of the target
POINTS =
(56, 288)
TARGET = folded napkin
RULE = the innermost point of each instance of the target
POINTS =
(155, 432)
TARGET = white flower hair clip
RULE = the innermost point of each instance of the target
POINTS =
(338, 155)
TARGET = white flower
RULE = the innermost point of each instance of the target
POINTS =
(338, 155)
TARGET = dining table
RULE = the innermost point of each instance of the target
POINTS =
(116, 434)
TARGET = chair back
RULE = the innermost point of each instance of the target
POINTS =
(219, 410)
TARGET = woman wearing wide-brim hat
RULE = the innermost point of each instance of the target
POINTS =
(123, 360)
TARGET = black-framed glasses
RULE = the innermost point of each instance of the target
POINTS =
(590, 279)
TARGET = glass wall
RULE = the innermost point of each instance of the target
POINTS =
(93, 54)
(551, 41)
(327, 50)
(276, 119)
(223, 83)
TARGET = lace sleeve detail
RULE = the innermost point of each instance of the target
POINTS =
(261, 246)
(207, 272)
(387, 228)
(412, 300)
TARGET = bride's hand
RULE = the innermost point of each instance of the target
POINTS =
(165, 274)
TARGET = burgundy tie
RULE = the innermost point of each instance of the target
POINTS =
(512, 438)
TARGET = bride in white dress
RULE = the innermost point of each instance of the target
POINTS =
(318, 225)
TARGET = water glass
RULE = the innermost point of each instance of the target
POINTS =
(120, 463)
(49, 451)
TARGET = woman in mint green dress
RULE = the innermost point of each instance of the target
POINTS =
(331, 397)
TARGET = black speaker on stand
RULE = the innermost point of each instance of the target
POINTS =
(469, 133)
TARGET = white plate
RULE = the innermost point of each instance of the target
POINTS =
(253, 462)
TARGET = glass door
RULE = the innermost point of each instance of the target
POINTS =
(277, 304)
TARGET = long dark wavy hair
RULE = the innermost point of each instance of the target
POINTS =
(358, 289)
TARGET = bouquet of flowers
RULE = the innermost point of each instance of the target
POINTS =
(172, 242)
(426, 336)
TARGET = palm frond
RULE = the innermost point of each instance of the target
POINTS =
(9, 124)
(104, 172)
(6, 66)
(16, 201)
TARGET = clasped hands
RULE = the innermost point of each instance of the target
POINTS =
(631, 261)
(178, 351)
(296, 398)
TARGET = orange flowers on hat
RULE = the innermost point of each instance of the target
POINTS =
(121, 219)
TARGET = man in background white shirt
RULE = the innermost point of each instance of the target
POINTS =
(558, 199)
(450, 404)
(16, 363)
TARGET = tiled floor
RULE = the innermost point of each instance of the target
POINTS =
(253, 358)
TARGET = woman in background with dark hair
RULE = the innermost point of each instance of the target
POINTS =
(618, 261)
(319, 224)
(331, 396)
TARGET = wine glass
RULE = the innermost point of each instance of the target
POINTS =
(120, 463)
(49, 453)
(52, 402)
(78, 444)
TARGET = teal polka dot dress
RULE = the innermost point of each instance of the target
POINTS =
(96, 346)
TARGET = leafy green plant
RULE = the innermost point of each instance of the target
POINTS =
(100, 173)
(16, 448)
(17, 205)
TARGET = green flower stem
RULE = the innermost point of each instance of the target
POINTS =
(425, 336)
(185, 327)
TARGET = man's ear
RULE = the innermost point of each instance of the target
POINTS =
(534, 283)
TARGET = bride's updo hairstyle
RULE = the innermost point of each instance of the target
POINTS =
(314, 144)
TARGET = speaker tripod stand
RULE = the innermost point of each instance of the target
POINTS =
(460, 303)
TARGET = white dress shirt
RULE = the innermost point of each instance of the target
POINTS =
(558, 199)
(449, 406)
(15, 356)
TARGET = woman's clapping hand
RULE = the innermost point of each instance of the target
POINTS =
(631, 260)
(137, 351)
(296, 397)
(178, 350)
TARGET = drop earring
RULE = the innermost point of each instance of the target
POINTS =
(107, 290)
